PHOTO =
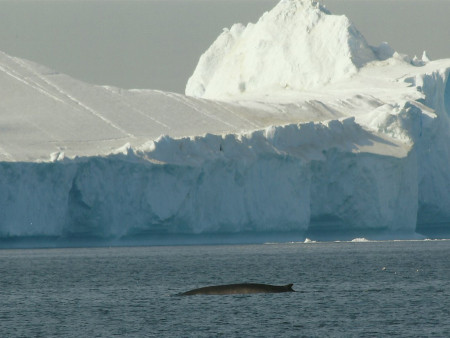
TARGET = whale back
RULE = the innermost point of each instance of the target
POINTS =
(243, 288)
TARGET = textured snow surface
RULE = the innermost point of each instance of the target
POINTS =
(284, 49)
(298, 125)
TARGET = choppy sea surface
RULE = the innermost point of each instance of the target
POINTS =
(363, 289)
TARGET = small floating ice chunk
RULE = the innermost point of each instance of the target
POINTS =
(360, 239)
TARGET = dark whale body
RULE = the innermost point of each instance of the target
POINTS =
(239, 289)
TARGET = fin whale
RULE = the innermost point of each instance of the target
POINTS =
(237, 289)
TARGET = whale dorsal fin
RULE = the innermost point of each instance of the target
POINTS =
(289, 287)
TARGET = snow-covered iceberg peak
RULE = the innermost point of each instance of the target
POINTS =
(298, 45)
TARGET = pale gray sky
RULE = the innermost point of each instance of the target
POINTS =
(156, 43)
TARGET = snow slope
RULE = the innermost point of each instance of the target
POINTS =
(294, 123)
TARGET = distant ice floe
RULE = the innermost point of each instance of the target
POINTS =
(360, 240)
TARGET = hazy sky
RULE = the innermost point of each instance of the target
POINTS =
(156, 43)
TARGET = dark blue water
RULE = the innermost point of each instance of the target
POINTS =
(344, 289)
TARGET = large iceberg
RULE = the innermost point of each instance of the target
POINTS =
(297, 45)
(293, 125)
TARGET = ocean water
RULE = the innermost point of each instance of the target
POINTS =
(367, 289)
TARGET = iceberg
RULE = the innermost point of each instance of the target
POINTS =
(292, 125)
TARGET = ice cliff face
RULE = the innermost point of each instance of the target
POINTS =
(275, 179)
(432, 145)
(315, 132)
